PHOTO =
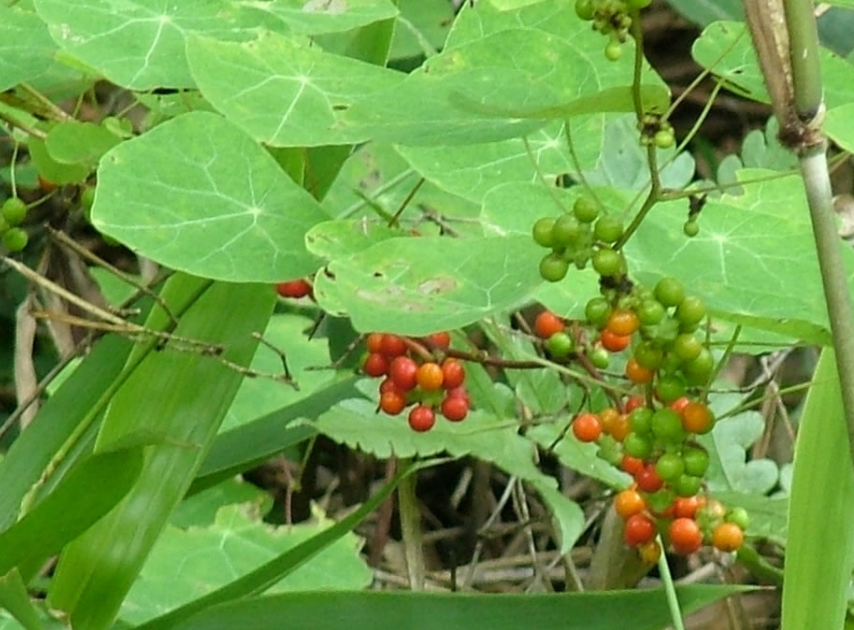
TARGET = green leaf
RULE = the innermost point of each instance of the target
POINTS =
(139, 44)
(262, 578)
(821, 524)
(314, 17)
(26, 49)
(577, 455)
(200, 509)
(342, 238)
(416, 286)
(727, 445)
(282, 92)
(52, 170)
(186, 564)
(74, 504)
(837, 125)
(212, 203)
(754, 255)
(647, 609)
(15, 599)
(421, 27)
(704, 12)
(79, 143)
(185, 396)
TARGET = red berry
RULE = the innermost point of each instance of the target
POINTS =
(453, 373)
(422, 418)
(430, 376)
(455, 408)
(686, 507)
(403, 371)
(648, 479)
(374, 342)
(634, 402)
(393, 346)
(587, 427)
(631, 465)
(547, 324)
(294, 288)
(440, 339)
(680, 403)
(459, 392)
(375, 365)
(614, 343)
(388, 385)
(685, 536)
(638, 530)
(393, 402)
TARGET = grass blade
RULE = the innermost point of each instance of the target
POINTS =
(15, 599)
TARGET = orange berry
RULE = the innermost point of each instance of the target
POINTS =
(623, 322)
(392, 402)
(638, 374)
(374, 342)
(679, 404)
(430, 376)
(547, 324)
(687, 507)
(586, 427)
(696, 418)
(685, 536)
(629, 502)
(631, 465)
(727, 537)
(621, 427)
(614, 343)
(650, 552)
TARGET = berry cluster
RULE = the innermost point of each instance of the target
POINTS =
(655, 130)
(612, 18)
(12, 214)
(410, 379)
(577, 238)
(295, 289)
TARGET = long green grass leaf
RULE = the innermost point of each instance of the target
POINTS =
(15, 599)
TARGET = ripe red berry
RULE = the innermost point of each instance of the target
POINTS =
(293, 288)
(680, 403)
(422, 418)
(403, 371)
(547, 324)
(393, 402)
(455, 408)
(375, 365)
(687, 507)
(614, 343)
(388, 385)
(685, 536)
(648, 479)
(631, 465)
(453, 374)
(587, 427)
(460, 392)
(638, 530)
(430, 376)
(374, 342)
(634, 402)
(440, 339)
(393, 346)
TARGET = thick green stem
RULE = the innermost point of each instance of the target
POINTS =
(806, 65)
(670, 589)
(833, 274)
(410, 524)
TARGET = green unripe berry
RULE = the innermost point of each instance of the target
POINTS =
(700, 369)
(691, 228)
(14, 210)
(565, 231)
(669, 466)
(585, 210)
(607, 262)
(664, 139)
(696, 461)
(613, 51)
(669, 292)
(667, 425)
(585, 9)
(597, 311)
(640, 420)
(600, 358)
(542, 231)
(687, 485)
(687, 347)
(637, 445)
(648, 356)
(608, 229)
(553, 267)
(738, 516)
(669, 388)
(560, 345)
(691, 311)
(650, 312)
(15, 239)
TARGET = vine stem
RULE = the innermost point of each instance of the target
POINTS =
(669, 589)
(410, 525)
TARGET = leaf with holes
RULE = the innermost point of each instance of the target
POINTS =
(139, 44)
(416, 286)
(197, 194)
(282, 92)
(185, 564)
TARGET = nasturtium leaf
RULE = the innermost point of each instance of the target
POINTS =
(185, 564)
(260, 396)
(79, 143)
(355, 422)
(53, 171)
(419, 285)
(211, 202)
(26, 49)
(200, 509)
(726, 48)
(754, 254)
(421, 27)
(727, 445)
(139, 44)
(576, 455)
(282, 92)
(837, 125)
(315, 17)
(705, 12)
(342, 237)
